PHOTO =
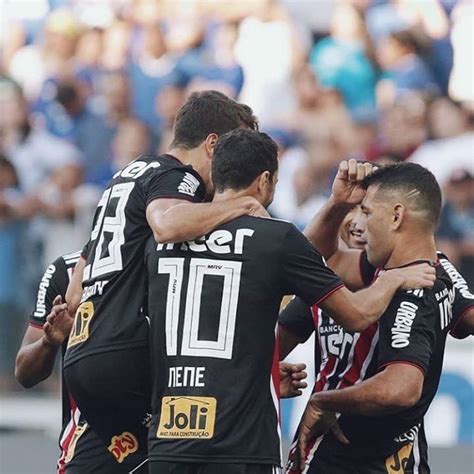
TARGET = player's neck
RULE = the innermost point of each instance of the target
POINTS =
(191, 157)
(412, 248)
(231, 194)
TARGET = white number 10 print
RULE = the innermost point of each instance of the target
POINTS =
(198, 269)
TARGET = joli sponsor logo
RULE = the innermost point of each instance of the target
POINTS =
(187, 417)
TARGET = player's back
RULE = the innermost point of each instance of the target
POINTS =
(214, 306)
(110, 315)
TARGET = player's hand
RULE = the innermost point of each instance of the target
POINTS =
(58, 323)
(346, 188)
(415, 276)
(316, 422)
(253, 207)
(292, 379)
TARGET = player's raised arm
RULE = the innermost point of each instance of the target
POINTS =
(323, 230)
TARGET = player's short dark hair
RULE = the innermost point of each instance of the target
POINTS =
(240, 156)
(209, 112)
(406, 178)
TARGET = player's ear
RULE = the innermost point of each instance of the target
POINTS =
(264, 180)
(398, 215)
(210, 143)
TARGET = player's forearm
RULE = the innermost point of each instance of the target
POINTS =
(35, 362)
(371, 303)
(375, 396)
(323, 230)
(189, 221)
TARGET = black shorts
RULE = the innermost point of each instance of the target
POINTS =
(163, 467)
(112, 391)
(407, 460)
(86, 453)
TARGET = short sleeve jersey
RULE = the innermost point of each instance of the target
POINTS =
(412, 331)
(54, 282)
(213, 306)
(110, 316)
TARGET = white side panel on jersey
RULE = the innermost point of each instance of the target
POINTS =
(191, 344)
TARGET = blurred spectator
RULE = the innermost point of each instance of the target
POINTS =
(10, 288)
(116, 44)
(150, 70)
(54, 56)
(456, 228)
(342, 62)
(403, 128)
(268, 49)
(405, 71)
(452, 145)
(461, 84)
(34, 152)
(69, 117)
(168, 102)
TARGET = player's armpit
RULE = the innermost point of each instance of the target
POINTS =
(176, 220)
(287, 341)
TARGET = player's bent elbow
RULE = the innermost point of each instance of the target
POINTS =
(403, 396)
(21, 377)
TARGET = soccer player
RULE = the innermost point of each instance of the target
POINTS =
(81, 449)
(381, 417)
(213, 304)
(106, 361)
(342, 357)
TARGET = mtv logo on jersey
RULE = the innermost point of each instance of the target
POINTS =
(189, 185)
(187, 417)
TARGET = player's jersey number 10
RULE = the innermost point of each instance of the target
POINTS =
(199, 268)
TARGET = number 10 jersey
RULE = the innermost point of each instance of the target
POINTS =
(111, 315)
(213, 306)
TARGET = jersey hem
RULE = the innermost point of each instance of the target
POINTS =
(100, 350)
(406, 362)
(36, 325)
(328, 294)
(215, 459)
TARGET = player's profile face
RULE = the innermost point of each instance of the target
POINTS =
(352, 230)
(375, 221)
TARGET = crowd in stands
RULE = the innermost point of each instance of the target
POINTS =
(85, 87)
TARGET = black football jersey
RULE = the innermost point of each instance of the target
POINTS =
(412, 331)
(213, 305)
(110, 316)
(341, 357)
(54, 282)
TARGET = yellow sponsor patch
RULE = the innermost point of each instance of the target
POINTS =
(397, 463)
(187, 417)
(123, 445)
(82, 321)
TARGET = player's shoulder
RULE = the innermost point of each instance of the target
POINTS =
(70, 259)
(145, 166)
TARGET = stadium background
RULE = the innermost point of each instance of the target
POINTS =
(86, 85)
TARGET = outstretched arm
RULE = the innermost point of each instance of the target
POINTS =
(176, 220)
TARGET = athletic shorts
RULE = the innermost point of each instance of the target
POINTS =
(112, 391)
(162, 467)
(86, 453)
(407, 460)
